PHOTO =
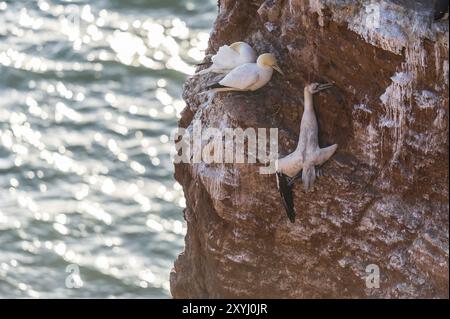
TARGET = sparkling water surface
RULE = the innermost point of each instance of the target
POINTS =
(89, 94)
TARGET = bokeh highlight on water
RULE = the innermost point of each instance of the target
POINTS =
(86, 110)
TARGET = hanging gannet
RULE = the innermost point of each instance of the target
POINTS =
(249, 76)
(230, 57)
(307, 155)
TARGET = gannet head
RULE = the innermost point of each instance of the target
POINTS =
(268, 60)
(317, 87)
(236, 46)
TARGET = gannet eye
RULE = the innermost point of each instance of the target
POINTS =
(312, 87)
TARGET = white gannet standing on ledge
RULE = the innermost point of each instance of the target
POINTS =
(230, 57)
(307, 155)
(249, 76)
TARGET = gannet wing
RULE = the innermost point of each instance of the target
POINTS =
(225, 58)
(247, 54)
(286, 196)
(323, 154)
(242, 77)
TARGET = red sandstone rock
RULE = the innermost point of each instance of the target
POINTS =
(384, 197)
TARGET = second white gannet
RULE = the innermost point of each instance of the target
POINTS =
(249, 76)
(307, 155)
(230, 57)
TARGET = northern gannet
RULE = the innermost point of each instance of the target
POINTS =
(307, 155)
(249, 76)
(230, 57)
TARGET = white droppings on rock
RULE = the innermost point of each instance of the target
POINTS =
(437, 58)
(269, 26)
(373, 144)
(397, 101)
(441, 119)
(368, 22)
(316, 6)
(416, 58)
(363, 107)
(215, 178)
(292, 5)
(240, 258)
(426, 99)
(402, 78)
(445, 71)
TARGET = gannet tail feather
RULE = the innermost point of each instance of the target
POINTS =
(216, 86)
(308, 177)
(286, 196)
(324, 154)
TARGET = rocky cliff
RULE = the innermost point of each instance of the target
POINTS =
(383, 198)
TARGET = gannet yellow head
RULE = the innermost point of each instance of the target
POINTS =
(268, 60)
(317, 87)
(236, 46)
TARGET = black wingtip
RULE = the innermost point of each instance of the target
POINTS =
(291, 216)
(203, 63)
(287, 196)
(215, 86)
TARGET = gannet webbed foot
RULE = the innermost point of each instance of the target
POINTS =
(292, 180)
(319, 172)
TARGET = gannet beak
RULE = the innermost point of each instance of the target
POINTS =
(277, 68)
(324, 86)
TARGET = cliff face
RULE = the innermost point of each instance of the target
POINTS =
(384, 197)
